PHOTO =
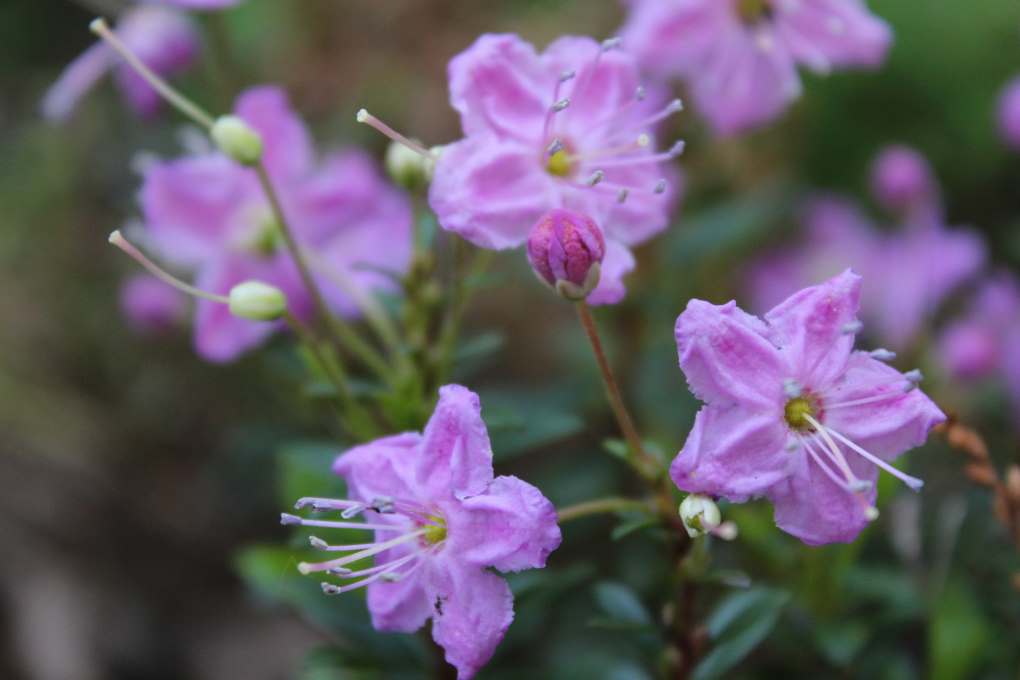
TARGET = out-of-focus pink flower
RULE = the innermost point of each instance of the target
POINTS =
(151, 306)
(902, 181)
(740, 57)
(163, 38)
(907, 273)
(441, 521)
(793, 413)
(570, 128)
(1009, 113)
(197, 4)
(985, 341)
(208, 213)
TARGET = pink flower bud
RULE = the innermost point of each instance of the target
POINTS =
(901, 178)
(565, 249)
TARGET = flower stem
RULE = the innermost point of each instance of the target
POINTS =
(598, 507)
(623, 418)
(343, 334)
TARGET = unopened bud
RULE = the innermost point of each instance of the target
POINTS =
(565, 250)
(700, 515)
(257, 301)
(901, 178)
(237, 139)
(407, 167)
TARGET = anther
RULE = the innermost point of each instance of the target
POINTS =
(339, 571)
(611, 44)
(595, 178)
(914, 378)
(621, 197)
(352, 511)
(561, 104)
(567, 75)
(288, 519)
(660, 187)
(363, 116)
(792, 388)
(871, 513)
(330, 589)
(318, 543)
(882, 354)
(383, 505)
(640, 93)
(390, 577)
(852, 327)
(644, 140)
(555, 147)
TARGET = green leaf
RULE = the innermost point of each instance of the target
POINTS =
(633, 524)
(520, 421)
(738, 625)
(958, 635)
(621, 604)
(306, 470)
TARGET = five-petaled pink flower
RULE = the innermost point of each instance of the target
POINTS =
(570, 128)
(207, 213)
(740, 57)
(793, 413)
(440, 521)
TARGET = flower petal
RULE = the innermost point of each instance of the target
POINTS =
(74, 83)
(733, 453)
(813, 508)
(618, 262)
(456, 458)
(814, 328)
(885, 428)
(491, 192)
(727, 358)
(287, 147)
(500, 87)
(827, 33)
(380, 468)
(471, 611)
(399, 607)
(511, 526)
(671, 38)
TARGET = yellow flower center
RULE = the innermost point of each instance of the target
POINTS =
(797, 410)
(753, 11)
(435, 530)
(559, 164)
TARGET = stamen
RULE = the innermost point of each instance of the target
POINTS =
(621, 196)
(792, 388)
(363, 116)
(554, 148)
(852, 328)
(117, 239)
(320, 544)
(836, 479)
(912, 379)
(330, 589)
(323, 504)
(307, 567)
(288, 519)
(611, 43)
(674, 151)
(595, 178)
(561, 104)
(175, 98)
(675, 106)
(388, 566)
(641, 142)
(660, 187)
(882, 354)
(913, 482)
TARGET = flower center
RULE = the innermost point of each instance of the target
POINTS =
(559, 164)
(753, 11)
(435, 530)
(797, 412)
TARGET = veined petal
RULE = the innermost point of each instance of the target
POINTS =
(813, 508)
(402, 606)
(511, 526)
(491, 192)
(618, 262)
(887, 427)
(456, 456)
(471, 611)
(498, 86)
(733, 453)
(814, 328)
(381, 468)
(287, 147)
(727, 358)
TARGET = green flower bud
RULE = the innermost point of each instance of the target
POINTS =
(700, 515)
(257, 301)
(237, 139)
(407, 167)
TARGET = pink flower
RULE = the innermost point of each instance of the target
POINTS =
(570, 128)
(902, 181)
(151, 306)
(1009, 113)
(208, 213)
(793, 413)
(440, 521)
(985, 342)
(740, 57)
(164, 39)
(198, 4)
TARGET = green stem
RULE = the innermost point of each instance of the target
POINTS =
(459, 298)
(599, 506)
(647, 464)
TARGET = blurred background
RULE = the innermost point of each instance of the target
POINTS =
(140, 488)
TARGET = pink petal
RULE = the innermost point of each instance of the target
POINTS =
(78, 78)
(472, 609)
(812, 328)
(287, 147)
(732, 452)
(511, 526)
(500, 87)
(456, 458)
(671, 38)
(827, 33)
(384, 467)
(726, 357)
(491, 192)
(885, 428)
(402, 606)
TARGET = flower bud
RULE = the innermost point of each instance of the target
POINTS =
(257, 301)
(901, 178)
(565, 250)
(237, 139)
(408, 168)
(700, 515)
(1009, 113)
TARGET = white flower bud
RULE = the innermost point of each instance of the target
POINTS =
(237, 139)
(407, 167)
(257, 301)
(700, 515)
